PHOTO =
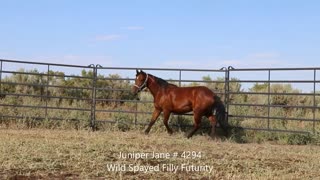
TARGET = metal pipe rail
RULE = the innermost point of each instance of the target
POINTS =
(89, 94)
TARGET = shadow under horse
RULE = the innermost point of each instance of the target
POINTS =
(169, 98)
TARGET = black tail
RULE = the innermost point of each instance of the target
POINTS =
(220, 113)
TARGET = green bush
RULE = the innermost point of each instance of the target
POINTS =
(298, 139)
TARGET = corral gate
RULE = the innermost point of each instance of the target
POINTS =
(270, 99)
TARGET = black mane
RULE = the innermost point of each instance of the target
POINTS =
(162, 82)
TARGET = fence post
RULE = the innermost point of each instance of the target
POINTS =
(225, 83)
(269, 103)
(227, 91)
(179, 116)
(1, 85)
(314, 100)
(93, 97)
(47, 91)
(1, 77)
(136, 113)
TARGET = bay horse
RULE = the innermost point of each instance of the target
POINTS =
(169, 98)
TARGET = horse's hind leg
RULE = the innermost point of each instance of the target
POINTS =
(155, 116)
(213, 125)
(224, 125)
(197, 120)
(166, 116)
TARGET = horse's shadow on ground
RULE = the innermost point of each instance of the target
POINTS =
(234, 134)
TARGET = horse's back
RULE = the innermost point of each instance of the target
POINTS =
(194, 94)
(194, 91)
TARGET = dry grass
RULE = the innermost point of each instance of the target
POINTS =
(43, 153)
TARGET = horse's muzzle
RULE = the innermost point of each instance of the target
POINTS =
(135, 90)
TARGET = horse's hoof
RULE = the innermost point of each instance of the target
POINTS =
(146, 132)
(214, 137)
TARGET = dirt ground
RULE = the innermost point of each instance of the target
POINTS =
(71, 154)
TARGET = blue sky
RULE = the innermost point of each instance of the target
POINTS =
(163, 33)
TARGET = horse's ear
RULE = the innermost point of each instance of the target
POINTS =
(137, 71)
(141, 71)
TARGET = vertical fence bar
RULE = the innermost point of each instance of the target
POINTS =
(269, 89)
(179, 116)
(227, 91)
(179, 78)
(47, 92)
(1, 77)
(136, 113)
(225, 83)
(1, 84)
(93, 97)
(314, 100)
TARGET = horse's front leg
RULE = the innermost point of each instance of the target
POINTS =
(155, 116)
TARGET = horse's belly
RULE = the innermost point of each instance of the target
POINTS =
(182, 109)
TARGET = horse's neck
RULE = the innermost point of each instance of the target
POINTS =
(154, 87)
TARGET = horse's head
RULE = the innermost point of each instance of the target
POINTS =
(140, 82)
